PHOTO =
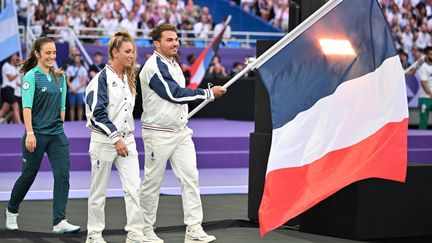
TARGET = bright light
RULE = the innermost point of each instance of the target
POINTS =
(336, 47)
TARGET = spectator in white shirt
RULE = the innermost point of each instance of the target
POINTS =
(109, 23)
(146, 24)
(26, 8)
(139, 8)
(179, 5)
(77, 78)
(161, 3)
(202, 28)
(119, 11)
(281, 16)
(65, 33)
(407, 39)
(218, 28)
(129, 24)
(394, 13)
(92, 4)
(75, 20)
(11, 80)
(423, 38)
(128, 4)
(174, 16)
(60, 16)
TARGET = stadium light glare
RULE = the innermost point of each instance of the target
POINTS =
(336, 47)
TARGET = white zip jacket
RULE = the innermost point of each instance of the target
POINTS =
(164, 94)
(109, 107)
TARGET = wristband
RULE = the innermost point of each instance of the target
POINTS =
(30, 133)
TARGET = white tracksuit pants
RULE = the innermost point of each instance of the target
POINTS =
(179, 149)
(103, 155)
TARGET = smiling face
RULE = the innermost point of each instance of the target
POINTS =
(47, 55)
(168, 44)
(124, 55)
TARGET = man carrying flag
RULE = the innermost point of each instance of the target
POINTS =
(339, 108)
(199, 67)
(166, 135)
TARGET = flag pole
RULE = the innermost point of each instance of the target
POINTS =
(295, 32)
(226, 85)
(227, 21)
(415, 65)
(277, 47)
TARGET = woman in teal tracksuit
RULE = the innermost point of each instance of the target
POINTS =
(43, 100)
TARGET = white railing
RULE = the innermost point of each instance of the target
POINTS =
(243, 39)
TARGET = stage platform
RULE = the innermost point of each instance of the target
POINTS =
(224, 216)
(420, 146)
(222, 151)
(223, 155)
(212, 181)
(219, 143)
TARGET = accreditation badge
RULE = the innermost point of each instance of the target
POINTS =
(26, 86)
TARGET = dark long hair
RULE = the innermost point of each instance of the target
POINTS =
(32, 61)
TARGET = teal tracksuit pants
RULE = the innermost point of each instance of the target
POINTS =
(57, 149)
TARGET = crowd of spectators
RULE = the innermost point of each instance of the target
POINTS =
(411, 23)
(409, 20)
(138, 17)
(276, 12)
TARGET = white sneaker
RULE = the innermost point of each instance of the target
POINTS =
(135, 238)
(11, 220)
(151, 237)
(196, 234)
(95, 238)
(65, 227)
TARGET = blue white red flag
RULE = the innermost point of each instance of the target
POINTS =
(202, 63)
(339, 108)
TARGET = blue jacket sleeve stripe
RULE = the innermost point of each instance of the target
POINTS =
(99, 111)
(167, 88)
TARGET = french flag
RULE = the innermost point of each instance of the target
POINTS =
(199, 67)
(339, 108)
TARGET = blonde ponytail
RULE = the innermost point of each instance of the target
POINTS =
(115, 43)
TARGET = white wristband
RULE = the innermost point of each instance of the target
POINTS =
(30, 133)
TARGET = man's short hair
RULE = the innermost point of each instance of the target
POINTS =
(427, 49)
(156, 33)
